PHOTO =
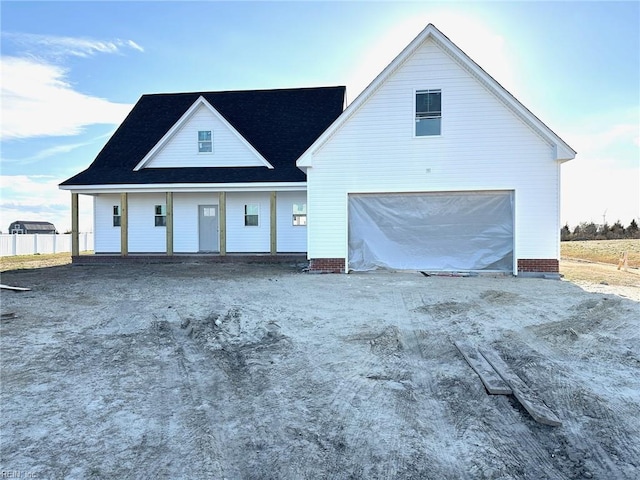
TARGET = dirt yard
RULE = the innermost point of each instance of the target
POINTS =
(264, 372)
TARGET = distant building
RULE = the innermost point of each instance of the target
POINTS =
(27, 226)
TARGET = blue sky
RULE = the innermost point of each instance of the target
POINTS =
(71, 71)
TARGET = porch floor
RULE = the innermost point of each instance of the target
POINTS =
(299, 259)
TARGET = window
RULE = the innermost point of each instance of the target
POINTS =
(161, 215)
(299, 214)
(205, 141)
(428, 112)
(251, 213)
(116, 215)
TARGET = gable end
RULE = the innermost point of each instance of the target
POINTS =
(201, 102)
(562, 150)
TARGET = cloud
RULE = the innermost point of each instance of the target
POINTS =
(37, 98)
(55, 150)
(605, 176)
(57, 46)
(37, 197)
(38, 101)
(610, 139)
(46, 153)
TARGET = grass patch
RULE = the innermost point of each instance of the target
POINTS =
(604, 251)
(34, 261)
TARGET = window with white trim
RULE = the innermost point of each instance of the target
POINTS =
(428, 112)
(160, 215)
(116, 215)
(299, 214)
(205, 141)
(251, 215)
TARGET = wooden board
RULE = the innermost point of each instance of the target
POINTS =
(525, 395)
(493, 382)
(15, 289)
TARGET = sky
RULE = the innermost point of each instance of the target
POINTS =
(71, 71)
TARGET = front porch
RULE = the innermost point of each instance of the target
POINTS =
(280, 233)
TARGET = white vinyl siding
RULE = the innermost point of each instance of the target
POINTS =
(291, 238)
(243, 239)
(181, 150)
(144, 236)
(484, 146)
(106, 236)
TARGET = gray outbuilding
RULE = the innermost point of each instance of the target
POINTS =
(28, 226)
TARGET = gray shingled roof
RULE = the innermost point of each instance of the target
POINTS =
(32, 225)
(279, 124)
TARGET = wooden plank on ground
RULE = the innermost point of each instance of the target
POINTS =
(493, 382)
(525, 395)
(15, 289)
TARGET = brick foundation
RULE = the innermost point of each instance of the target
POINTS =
(299, 259)
(538, 265)
(326, 265)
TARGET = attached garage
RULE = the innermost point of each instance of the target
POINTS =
(435, 167)
(444, 231)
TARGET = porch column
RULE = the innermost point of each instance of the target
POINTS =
(169, 228)
(75, 244)
(222, 218)
(124, 225)
(273, 224)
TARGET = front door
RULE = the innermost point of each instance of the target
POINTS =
(208, 228)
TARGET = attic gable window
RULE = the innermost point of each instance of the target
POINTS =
(428, 112)
(205, 141)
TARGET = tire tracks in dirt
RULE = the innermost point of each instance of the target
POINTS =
(497, 433)
(181, 394)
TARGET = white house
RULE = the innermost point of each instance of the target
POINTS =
(433, 167)
(207, 172)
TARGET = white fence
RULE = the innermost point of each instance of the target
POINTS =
(13, 244)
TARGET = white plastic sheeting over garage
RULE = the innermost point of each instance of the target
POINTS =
(453, 231)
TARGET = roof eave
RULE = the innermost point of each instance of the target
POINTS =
(186, 187)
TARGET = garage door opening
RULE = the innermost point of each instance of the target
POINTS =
(452, 231)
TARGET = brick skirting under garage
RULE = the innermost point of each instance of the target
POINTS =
(326, 265)
(525, 265)
(538, 265)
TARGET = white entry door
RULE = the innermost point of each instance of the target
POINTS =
(208, 228)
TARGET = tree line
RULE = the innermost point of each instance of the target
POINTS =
(591, 231)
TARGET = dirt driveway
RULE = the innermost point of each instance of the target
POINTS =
(263, 372)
